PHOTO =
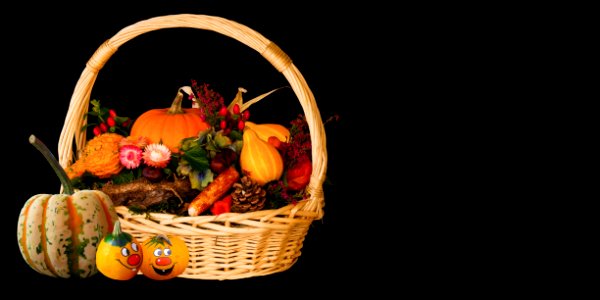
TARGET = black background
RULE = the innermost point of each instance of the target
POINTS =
(332, 47)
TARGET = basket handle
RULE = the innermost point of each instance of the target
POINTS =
(81, 95)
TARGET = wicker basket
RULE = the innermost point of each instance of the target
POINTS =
(231, 245)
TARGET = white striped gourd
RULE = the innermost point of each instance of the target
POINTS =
(59, 234)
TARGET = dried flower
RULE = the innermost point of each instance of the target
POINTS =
(157, 155)
(130, 156)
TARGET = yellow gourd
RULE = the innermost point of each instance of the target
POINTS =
(260, 160)
(264, 131)
(119, 255)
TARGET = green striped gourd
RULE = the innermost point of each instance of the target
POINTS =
(58, 234)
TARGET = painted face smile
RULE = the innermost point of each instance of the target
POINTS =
(129, 257)
(162, 263)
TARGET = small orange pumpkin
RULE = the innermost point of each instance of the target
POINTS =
(169, 125)
(119, 255)
(165, 257)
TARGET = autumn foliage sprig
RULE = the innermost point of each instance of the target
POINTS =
(210, 102)
(299, 145)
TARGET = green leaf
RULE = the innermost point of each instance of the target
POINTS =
(222, 141)
(120, 120)
(235, 135)
(197, 158)
(84, 127)
(237, 146)
(202, 134)
(123, 177)
(183, 169)
(188, 143)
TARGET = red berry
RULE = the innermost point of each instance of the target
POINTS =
(111, 121)
(275, 142)
(126, 123)
(236, 109)
(223, 124)
(245, 115)
(103, 127)
(241, 125)
(97, 131)
(223, 111)
(112, 113)
(222, 206)
(227, 199)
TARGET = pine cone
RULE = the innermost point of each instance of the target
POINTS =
(247, 196)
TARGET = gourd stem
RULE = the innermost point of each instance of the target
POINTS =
(176, 106)
(117, 230)
(60, 172)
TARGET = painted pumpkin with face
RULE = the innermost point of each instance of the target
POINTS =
(165, 257)
(119, 255)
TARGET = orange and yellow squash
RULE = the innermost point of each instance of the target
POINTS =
(260, 160)
(264, 131)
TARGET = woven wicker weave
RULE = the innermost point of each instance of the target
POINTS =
(231, 245)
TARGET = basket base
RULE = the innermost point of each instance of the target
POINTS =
(219, 251)
(234, 275)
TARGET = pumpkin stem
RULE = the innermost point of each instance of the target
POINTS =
(117, 229)
(60, 172)
(176, 106)
(165, 238)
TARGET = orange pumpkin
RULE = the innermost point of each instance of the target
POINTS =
(165, 257)
(169, 125)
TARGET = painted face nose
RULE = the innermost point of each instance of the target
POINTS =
(133, 260)
(163, 261)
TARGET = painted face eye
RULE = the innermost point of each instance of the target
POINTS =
(157, 252)
(124, 251)
(167, 252)
(134, 246)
